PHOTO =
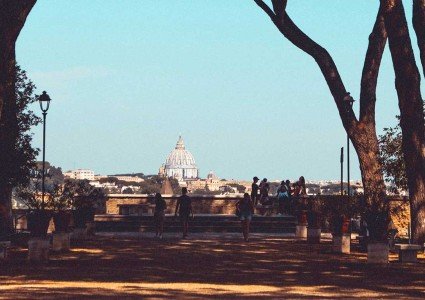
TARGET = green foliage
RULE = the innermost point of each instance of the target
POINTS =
(85, 195)
(175, 185)
(391, 157)
(29, 197)
(61, 196)
(71, 194)
(206, 192)
(152, 185)
(109, 179)
(23, 156)
(127, 191)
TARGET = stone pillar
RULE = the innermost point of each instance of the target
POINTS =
(341, 243)
(301, 228)
(61, 241)
(38, 250)
(301, 231)
(4, 250)
(313, 235)
(377, 252)
(408, 253)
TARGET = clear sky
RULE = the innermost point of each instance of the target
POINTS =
(127, 76)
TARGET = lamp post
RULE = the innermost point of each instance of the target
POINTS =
(44, 101)
(349, 102)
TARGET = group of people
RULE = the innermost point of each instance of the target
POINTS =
(244, 207)
(260, 194)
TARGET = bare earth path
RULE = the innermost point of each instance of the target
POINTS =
(208, 266)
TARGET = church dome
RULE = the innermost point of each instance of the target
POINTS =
(180, 157)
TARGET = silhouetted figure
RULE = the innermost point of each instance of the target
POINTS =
(254, 190)
(184, 208)
(159, 214)
(283, 199)
(245, 210)
(290, 193)
(264, 192)
(300, 188)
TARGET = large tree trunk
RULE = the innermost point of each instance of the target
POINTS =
(362, 132)
(12, 18)
(376, 214)
(419, 26)
(407, 83)
(8, 138)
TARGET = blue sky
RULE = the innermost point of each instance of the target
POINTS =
(126, 77)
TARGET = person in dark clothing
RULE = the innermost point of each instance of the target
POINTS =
(264, 192)
(184, 208)
(246, 210)
(300, 188)
(159, 215)
(283, 199)
(254, 190)
(290, 192)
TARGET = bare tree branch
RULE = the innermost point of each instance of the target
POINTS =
(363, 135)
(266, 9)
(377, 41)
(279, 7)
(419, 26)
(326, 64)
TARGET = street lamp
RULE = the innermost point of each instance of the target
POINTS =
(349, 101)
(44, 101)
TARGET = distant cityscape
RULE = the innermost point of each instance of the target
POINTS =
(180, 167)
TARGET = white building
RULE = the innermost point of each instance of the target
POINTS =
(80, 174)
(180, 163)
(129, 178)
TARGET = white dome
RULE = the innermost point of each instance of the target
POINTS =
(180, 158)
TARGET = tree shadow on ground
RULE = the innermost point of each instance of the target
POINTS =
(208, 267)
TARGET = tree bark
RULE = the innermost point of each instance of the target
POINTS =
(419, 26)
(362, 133)
(407, 83)
(12, 18)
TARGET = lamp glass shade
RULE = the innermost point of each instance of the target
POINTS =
(44, 101)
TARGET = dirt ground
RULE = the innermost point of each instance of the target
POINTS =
(207, 266)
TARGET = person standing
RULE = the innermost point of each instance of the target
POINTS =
(290, 192)
(283, 199)
(246, 210)
(254, 190)
(264, 192)
(184, 208)
(300, 188)
(159, 214)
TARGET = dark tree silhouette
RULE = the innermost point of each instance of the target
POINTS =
(407, 84)
(362, 131)
(12, 18)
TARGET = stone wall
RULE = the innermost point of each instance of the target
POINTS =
(200, 204)
(226, 205)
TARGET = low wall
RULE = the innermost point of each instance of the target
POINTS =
(203, 204)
